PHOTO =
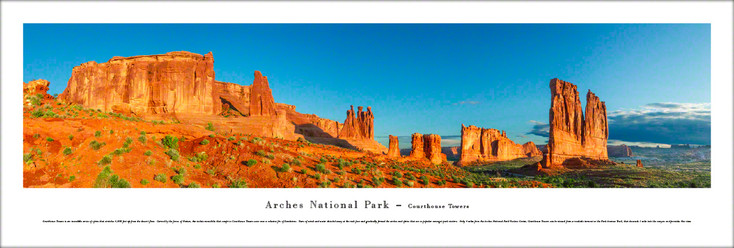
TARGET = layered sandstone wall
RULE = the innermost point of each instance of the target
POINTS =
(417, 150)
(489, 145)
(572, 135)
(155, 84)
(432, 148)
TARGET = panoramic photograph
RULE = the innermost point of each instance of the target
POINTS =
(366, 106)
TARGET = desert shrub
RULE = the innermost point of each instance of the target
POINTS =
(204, 142)
(197, 166)
(120, 151)
(251, 162)
(148, 153)
(106, 179)
(210, 126)
(397, 174)
(238, 183)
(317, 176)
(178, 179)
(441, 182)
(261, 153)
(71, 137)
(424, 180)
(144, 182)
(49, 139)
(321, 167)
(322, 160)
(325, 184)
(170, 142)
(376, 181)
(409, 176)
(96, 145)
(303, 171)
(112, 131)
(266, 161)
(469, 184)
(97, 133)
(285, 168)
(67, 151)
(199, 157)
(356, 170)
(173, 154)
(72, 178)
(142, 139)
(194, 185)
(179, 170)
(409, 183)
(397, 182)
(231, 138)
(160, 178)
(296, 161)
(105, 160)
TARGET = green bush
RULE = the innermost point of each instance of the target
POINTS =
(209, 126)
(397, 182)
(285, 168)
(238, 183)
(106, 179)
(96, 145)
(321, 167)
(178, 179)
(469, 184)
(97, 133)
(425, 180)
(160, 178)
(67, 151)
(105, 160)
(173, 154)
(231, 138)
(204, 142)
(194, 185)
(142, 139)
(120, 151)
(49, 139)
(260, 153)
(197, 166)
(398, 174)
(199, 157)
(251, 162)
(170, 142)
(148, 153)
(71, 137)
(72, 178)
(144, 182)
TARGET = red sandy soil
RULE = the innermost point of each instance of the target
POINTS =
(45, 138)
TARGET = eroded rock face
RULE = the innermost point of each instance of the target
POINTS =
(432, 148)
(157, 84)
(417, 149)
(232, 97)
(489, 145)
(393, 151)
(261, 97)
(359, 125)
(619, 151)
(36, 87)
(572, 135)
(531, 150)
(639, 163)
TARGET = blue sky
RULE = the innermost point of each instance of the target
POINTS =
(429, 78)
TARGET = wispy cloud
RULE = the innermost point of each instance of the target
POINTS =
(467, 102)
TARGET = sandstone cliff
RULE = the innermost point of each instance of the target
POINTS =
(417, 146)
(619, 151)
(432, 148)
(489, 145)
(394, 150)
(155, 84)
(572, 135)
(531, 150)
(261, 98)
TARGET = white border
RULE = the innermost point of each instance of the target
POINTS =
(709, 209)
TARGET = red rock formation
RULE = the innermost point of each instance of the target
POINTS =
(261, 98)
(173, 82)
(488, 145)
(36, 87)
(619, 151)
(417, 150)
(359, 126)
(639, 163)
(232, 97)
(394, 150)
(432, 148)
(531, 150)
(572, 136)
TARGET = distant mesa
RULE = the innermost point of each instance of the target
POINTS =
(491, 145)
(574, 135)
(619, 151)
